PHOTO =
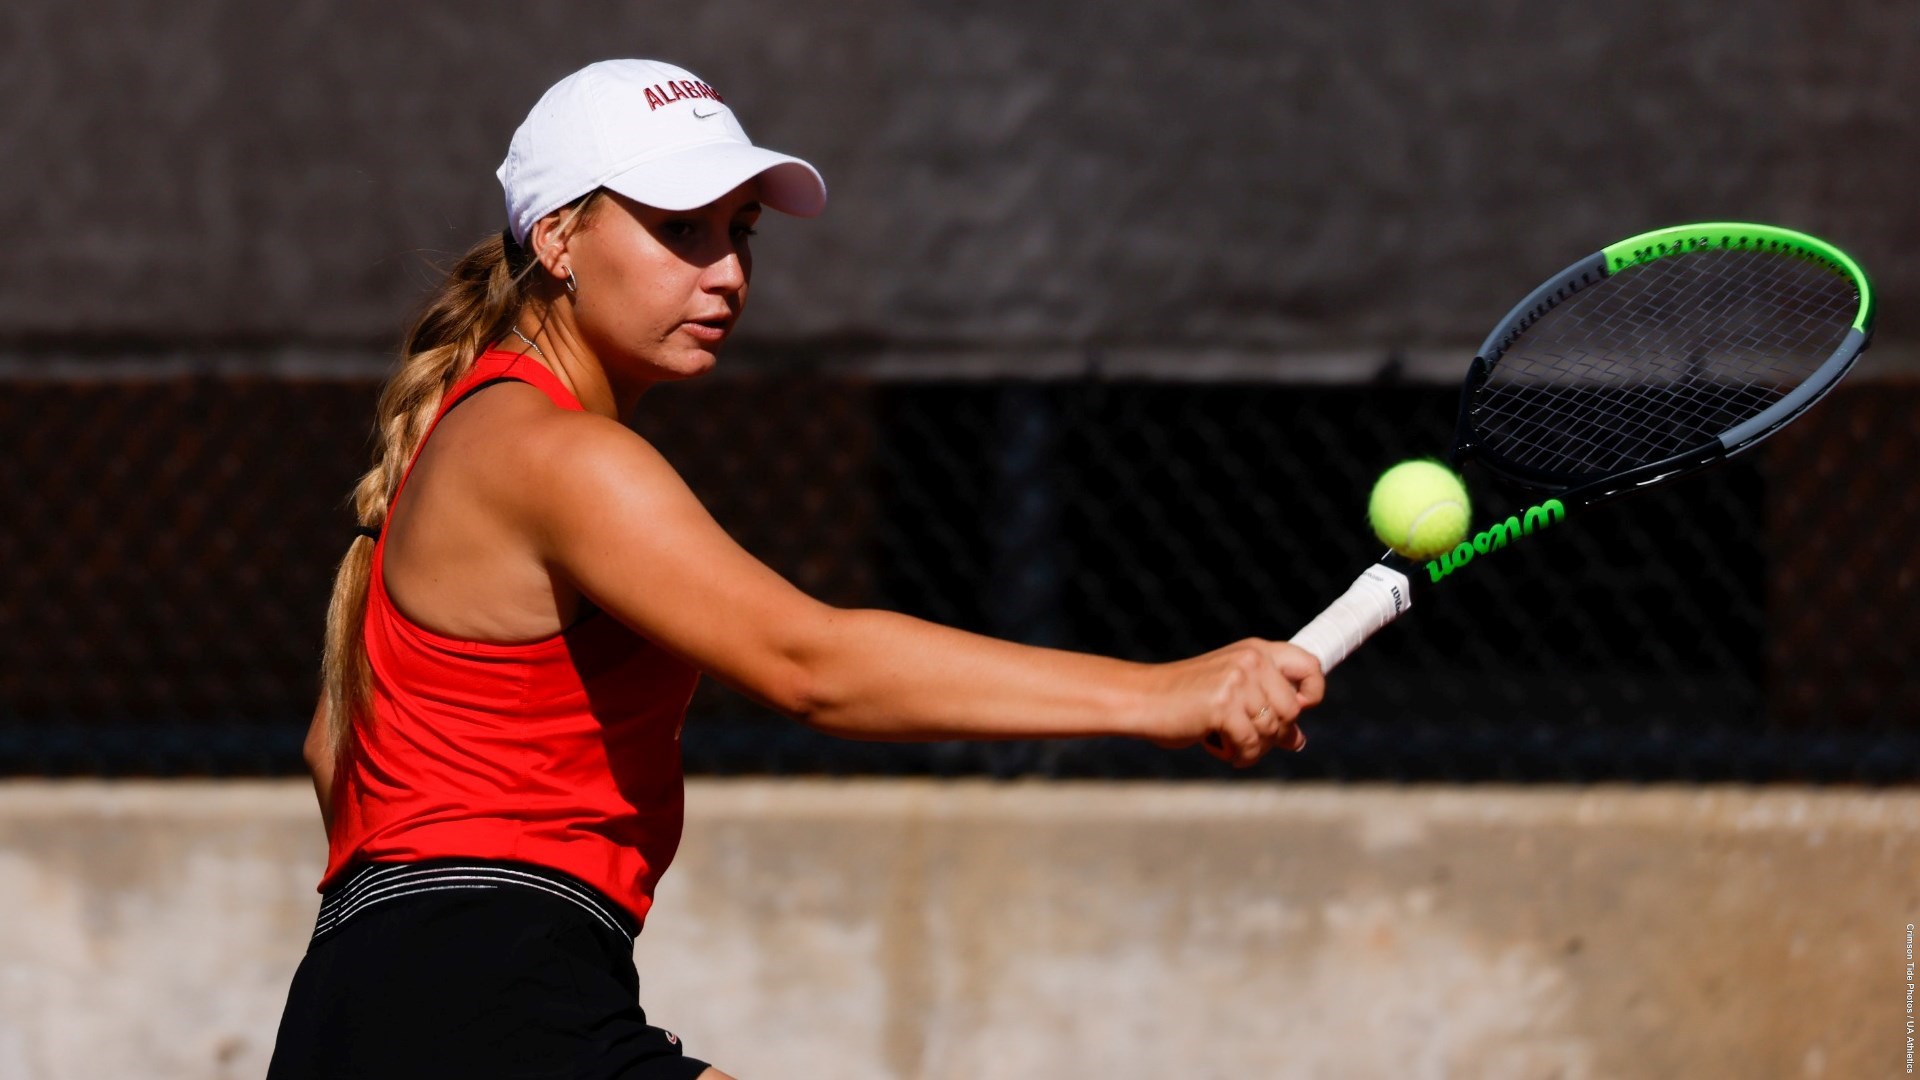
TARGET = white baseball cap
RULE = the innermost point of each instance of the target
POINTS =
(647, 130)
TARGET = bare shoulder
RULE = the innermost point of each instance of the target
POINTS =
(542, 462)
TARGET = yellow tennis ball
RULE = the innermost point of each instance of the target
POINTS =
(1419, 509)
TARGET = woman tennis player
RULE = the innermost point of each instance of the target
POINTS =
(512, 643)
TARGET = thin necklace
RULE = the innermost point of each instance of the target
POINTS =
(515, 331)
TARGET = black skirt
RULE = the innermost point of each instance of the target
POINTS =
(470, 968)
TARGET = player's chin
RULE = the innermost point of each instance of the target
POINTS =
(690, 363)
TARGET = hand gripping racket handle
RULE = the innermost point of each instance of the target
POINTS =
(1377, 597)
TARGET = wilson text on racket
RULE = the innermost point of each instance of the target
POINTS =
(1551, 512)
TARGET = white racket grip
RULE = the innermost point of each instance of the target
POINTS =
(1377, 597)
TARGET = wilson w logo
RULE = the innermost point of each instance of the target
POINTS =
(1551, 512)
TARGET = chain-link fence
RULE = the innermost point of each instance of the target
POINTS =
(172, 536)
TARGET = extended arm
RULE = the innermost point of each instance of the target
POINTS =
(614, 518)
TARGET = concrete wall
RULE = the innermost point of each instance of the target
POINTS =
(902, 929)
(1005, 175)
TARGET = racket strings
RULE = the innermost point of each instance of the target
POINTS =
(1660, 358)
(1621, 321)
(1686, 405)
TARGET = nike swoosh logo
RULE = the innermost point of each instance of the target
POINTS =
(698, 115)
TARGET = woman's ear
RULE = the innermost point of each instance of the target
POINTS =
(548, 242)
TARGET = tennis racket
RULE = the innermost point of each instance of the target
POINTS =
(1643, 363)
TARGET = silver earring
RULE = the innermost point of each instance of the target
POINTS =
(573, 286)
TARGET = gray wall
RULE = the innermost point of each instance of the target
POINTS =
(924, 931)
(1253, 175)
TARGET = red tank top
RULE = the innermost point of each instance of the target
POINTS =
(563, 752)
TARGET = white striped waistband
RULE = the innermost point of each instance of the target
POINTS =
(377, 883)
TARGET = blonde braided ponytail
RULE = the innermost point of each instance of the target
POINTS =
(482, 296)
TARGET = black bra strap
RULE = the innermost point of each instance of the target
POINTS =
(476, 388)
